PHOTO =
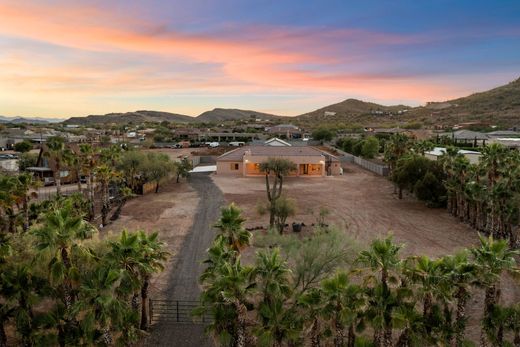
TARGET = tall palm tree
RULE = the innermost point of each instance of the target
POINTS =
(382, 257)
(278, 324)
(492, 258)
(231, 228)
(459, 275)
(25, 186)
(59, 235)
(153, 257)
(105, 174)
(8, 199)
(97, 306)
(226, 295)
(88, 156)
(344, 306)
(312, 303)
(272, 275)
(56, 152)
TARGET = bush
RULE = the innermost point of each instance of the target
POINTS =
(357, 148)
(431, 190)
(24, 146)
(370, 147)
(322, 134)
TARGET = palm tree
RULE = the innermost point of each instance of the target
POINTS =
(278, 323)
(105, 175)
(492, 258)
(225, 295)
(25, 184)
(97, 306)
(382, 257)
(278, 168)
(125, 194)
(56, 152)
(312, 302)
(231, 228)
(59, 235)
(344, 303)
(8, 199)
(153, 257)
(272, 275)
(460, 275)
(88, 156)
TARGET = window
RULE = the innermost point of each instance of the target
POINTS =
(234, 166)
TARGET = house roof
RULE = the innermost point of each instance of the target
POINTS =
(467, 135)
(438, 151)
(275, 139)
(271, 151)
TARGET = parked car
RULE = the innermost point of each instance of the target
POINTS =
(212, 144)
(237, 144)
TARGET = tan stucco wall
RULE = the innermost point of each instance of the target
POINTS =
(224, 168)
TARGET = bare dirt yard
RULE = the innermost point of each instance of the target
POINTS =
(169, 212)
(364, 205)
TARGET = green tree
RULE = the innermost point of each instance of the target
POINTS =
(322, 134)
(278, 168)
(231, 228)
(370, 147)
(23, 147)
(183, 168)
(55, 152)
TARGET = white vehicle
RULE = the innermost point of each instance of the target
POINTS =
(213, 144)
(237, 144)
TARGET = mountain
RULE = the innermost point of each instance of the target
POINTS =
(32, 120)
(352, 110)
(127, 117)
(499, 106)
(223, 114)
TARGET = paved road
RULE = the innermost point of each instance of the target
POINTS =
(183, 282)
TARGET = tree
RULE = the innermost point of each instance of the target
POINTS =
(272, 275)
(23, 147)
(382, 257)
(88, 155)
(56, 151)
(370, 147)
(283, 208)
(278, 168)
(322, 134)
(491, 259)
(125, 194)
(105, 175)
(158, 166)
(231, 228)
(25, 184)
(183, 168)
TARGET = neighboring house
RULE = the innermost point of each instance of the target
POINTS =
(510, 142)
(437, 152)
(310, 161)
(276, 142)
(288, 131)
(46, 167)
(8, 162)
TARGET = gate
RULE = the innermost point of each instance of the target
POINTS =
(176, 311)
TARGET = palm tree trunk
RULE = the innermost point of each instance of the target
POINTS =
(460, 322)
(315, 333)
(489, 302)
(105, 208)
(339, 339)
(90, 188)
(351, 338)
(377, 337)
(57, 179)
(404, 339)
(387, 336)
(25, 207)
(107, 336)
(144, 303)
(157, 187)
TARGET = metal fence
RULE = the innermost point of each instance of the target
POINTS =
(176, 311)
(382, 170)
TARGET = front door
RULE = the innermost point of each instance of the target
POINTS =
(304, 169)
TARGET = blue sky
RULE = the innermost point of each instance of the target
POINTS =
(63, 58)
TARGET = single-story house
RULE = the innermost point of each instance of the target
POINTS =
(437, 152)
(310, 161)
(288, 131)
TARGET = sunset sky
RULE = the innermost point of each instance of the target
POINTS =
(74, 58)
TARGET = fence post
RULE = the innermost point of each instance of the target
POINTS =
(177, 303)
